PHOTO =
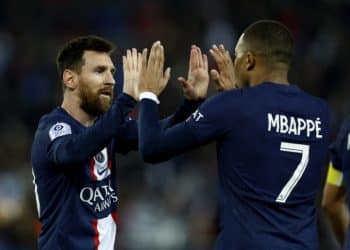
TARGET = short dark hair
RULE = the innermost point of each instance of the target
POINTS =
(71, 54)
(272, 39)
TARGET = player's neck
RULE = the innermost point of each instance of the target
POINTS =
(278, 77)
(71, 104)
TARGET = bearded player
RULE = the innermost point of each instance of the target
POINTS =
(73, 153)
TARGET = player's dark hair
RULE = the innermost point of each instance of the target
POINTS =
(272, 39)
(71, 54)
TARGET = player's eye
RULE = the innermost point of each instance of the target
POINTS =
(100, 69)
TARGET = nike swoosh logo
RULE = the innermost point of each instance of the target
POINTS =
(103, 170)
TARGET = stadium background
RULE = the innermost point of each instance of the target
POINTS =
(170, 206)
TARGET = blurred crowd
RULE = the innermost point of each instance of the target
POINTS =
(173, 205)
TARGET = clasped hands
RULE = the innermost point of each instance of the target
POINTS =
(143, 73)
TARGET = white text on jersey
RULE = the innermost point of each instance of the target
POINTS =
(100, 198)
(294, 125)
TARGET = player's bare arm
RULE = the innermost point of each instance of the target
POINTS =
(195, 87)
(224, 76)
(153, 78)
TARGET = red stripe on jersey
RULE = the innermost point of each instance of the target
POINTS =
(110, 165)
(115, 217)
(37, 227)
(92, 165)
(96, 234)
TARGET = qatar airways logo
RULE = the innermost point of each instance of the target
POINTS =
(100, 198)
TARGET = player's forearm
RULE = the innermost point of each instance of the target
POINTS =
(182, 113)
(339, 218)
(78, 148)
(160, 144)
(127, 139)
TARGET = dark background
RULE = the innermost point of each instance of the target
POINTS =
(172, 205)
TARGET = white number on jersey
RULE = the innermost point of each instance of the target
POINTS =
(302, 149)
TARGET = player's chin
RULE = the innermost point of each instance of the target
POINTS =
(105, 104)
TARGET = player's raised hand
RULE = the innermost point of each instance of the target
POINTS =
(224, 78)
(132, 63)
(153, 78)
(195, 87)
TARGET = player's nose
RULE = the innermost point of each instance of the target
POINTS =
(110, 79)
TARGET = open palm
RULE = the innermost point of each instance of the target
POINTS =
(196, 85)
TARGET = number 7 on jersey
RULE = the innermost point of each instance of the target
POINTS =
(302, 149)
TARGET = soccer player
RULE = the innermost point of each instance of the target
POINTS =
(271, 137)
(334, 196)
(73, 153)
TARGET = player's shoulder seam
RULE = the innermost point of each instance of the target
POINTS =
(323, 103)
(55, 125)
(54, 117)
(316, 98)
(228, 95)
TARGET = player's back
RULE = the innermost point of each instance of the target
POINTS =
(270, 166)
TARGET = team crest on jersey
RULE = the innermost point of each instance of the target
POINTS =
(99, 158)
(99, 166)
(59, 129)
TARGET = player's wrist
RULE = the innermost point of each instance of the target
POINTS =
(195, 97)
(149, 95)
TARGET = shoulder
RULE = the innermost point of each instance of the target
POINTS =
(217, 107)
(344, 128)
(346, 122)
(341, 143)
(317, 101)
(224, 98)
(55, 124)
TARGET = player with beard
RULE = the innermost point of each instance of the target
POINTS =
(271, 137)
(73, 153)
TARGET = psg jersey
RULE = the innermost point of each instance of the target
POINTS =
(74, 171)
(272, 141)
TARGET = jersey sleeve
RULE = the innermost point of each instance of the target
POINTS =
(341, 146)
(334, 176)
(127, 137)
(182, 113)
(159, 144)
(67, 147)
(212, 119)
(340, 155)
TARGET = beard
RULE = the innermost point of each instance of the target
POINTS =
(94, 103)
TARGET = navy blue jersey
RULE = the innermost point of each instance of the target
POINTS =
(340, 147)
(340, 158)
(74, 172)
(74, 176)
(272, 142)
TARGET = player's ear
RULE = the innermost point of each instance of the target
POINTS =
(70, 79)
(250, 61)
